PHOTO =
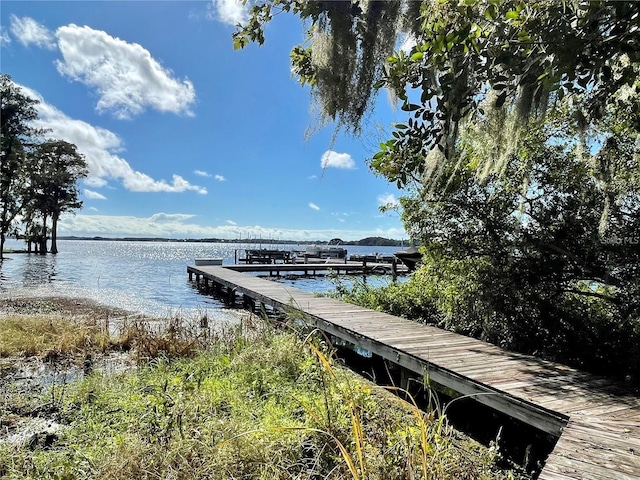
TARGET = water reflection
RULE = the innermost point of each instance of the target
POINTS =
(38, 270)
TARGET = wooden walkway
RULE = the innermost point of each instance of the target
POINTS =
(315, 268)
(597, 421)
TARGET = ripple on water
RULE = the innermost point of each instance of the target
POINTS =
(145, 277)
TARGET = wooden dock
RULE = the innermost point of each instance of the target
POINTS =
(320, 268)
(597, 421)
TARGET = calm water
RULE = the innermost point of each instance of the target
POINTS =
(147, 277)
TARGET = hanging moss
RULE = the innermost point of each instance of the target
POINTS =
(351, 42)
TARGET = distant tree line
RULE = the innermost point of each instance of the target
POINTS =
(38, 175)
(379, 242)
(365, 242)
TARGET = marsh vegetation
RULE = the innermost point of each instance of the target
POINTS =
(244, 401)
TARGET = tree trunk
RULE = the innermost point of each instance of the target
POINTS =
(1, 246)
(54, 234)
(43, 236)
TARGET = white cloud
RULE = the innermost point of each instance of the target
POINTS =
(95, 182)
(29, 32)
(100, 148)
(231, 222)
(337, 160)
(4, 37)
(202, 173)
(93, 209)
(313, 206)
(160, 225)
(170, 217)
(127, 78)
(230, 12)
(387, 199)
(220, 178)
(93, 195)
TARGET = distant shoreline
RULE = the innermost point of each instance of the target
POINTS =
(367, 242)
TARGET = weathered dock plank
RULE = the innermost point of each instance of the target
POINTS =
(597, 421)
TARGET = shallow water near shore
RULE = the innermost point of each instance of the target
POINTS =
(145, 277)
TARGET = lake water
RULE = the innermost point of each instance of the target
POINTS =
(145, 277)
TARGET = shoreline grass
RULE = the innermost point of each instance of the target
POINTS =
(249, 402)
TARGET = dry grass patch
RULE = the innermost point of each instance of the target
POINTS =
(49, 337)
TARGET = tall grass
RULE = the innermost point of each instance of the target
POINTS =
(49, 337)
(248, 403)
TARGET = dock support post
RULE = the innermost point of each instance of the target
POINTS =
(248, 303)
(405, 376)
(231, 296)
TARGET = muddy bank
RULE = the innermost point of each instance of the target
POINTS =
(30, 381)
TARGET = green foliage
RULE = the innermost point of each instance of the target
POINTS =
(16, 114)
(262, 406)
(54, 170)
(520, 154)
(37, 179)
(504, 54)
(467, 57)
(521, 260)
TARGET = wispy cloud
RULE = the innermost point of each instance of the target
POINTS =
(100, 148)
(29, 32)
(5, 39)
(231, 222)
(387, 200)
(170, 217)
(202, 173)
(126, 77)
(93, 195)
(337, 160)
(341, 216)
(313, 206)
(230, 12)
(95, 182)
(220, 178)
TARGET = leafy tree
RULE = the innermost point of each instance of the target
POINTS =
(520, 156)
(56, 168)
(37, 179)
(18, 111)
(519, 259)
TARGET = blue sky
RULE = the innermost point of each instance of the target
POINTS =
(185, 137)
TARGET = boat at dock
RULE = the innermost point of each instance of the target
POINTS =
(411, 257)
(325, 251)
